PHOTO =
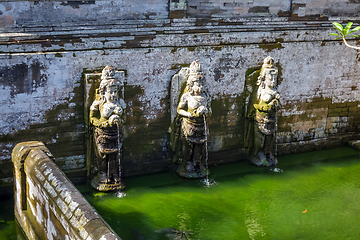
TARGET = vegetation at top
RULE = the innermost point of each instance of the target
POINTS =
(343, 32)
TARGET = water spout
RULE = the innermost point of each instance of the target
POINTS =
(119, 149)
(206, 150)
(275, 169)
(207, 182)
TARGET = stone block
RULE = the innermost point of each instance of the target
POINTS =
(353, 108)
(343, 119)
(333, 130)
(340, 105)
(344, 113)
(335, 110)
(333, 119)
(333, 114)
(332, 106)
(319, 134)
(352, 104)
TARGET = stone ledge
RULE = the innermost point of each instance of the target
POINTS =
(150, 33)
(44, 195)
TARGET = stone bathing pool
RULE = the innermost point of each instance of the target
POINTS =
(315, 197)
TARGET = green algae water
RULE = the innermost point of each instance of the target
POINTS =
(315, 197)
(9, 230)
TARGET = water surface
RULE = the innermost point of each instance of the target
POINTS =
(315, 197)
(9, 229)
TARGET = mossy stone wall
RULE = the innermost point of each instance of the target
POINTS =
(44, 57)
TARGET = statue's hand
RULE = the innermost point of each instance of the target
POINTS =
(274, 103)
(202, 110)
(104, 124)
(195, 115)
(118, 111)
(113, 119)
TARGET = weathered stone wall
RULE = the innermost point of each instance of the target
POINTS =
(271, 8)
(50, 14)
(318, 124)
(47, 205)
(43, 60)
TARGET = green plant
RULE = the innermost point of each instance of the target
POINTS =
(344, 32)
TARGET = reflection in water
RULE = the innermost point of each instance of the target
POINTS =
(99, 194)
(183, 232)
(174, 234)
(253, 227)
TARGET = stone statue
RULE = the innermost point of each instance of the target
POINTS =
(107, 115)
(261, 143)
(192, 109)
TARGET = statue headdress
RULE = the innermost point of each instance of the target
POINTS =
(195, 75)
(267, 67)
(107, 72)
(107, 80)
(195, 68)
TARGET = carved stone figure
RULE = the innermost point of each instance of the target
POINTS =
(107, 115)
(190, 127)
(260, 141)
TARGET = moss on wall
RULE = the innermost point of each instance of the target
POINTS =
(62, 131)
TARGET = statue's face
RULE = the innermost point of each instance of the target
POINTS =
(197, 88)
(111, 72)
(110, 93)
(108, 74)
(270, 80)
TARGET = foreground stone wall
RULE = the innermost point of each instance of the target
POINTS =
(43, 60)
(47, 205)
